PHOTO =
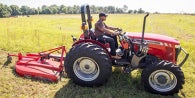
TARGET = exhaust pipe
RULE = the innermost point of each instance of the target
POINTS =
(143, 29)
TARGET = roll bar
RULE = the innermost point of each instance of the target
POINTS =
(85, 9)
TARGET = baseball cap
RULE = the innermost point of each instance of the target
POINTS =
(102, 14)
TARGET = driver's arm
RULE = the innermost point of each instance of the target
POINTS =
(101, 27)
(110, 28)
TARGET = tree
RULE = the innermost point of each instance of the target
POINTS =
(111, 9)
(43, 9)
(61, 7)
(100, 9)
(135, 11)
(64, 10)
(38, 10)
(70, 10)
(5, 11)
(119, 10)
(130, 11)
(125, 8)
(156, 12)
(93, 9)
(31, 11)
(75, 9)
(46, 10)
(105, 9)
(15, 10)
(25, 10)
(140, 11)
(8, 9)
(54, 9)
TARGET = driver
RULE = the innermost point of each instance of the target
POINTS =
(103, 34)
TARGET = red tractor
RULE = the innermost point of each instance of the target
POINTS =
(89, 62)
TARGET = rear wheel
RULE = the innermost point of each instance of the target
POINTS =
(163, 78)
(88, 64)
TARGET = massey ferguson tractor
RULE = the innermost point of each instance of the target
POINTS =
(89, 63)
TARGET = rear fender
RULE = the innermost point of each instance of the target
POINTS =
(94, 42)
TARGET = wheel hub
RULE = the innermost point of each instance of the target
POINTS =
(86, 66)
(86, 69)
(162, 80)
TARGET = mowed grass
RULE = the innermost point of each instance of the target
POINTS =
(37, 33)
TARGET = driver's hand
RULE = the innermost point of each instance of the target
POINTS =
(119, 29)
(116, 33)
(115, 29)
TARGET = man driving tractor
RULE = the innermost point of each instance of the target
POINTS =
(103, 34)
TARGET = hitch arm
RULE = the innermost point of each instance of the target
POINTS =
(8, 61)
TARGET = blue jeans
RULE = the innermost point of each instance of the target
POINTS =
(110, 40)
(115, 39)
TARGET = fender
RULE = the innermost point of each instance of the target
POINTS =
(94, 42)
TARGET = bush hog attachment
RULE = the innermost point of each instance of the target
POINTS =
(42, 65)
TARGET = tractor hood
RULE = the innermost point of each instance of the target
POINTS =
(153, 37)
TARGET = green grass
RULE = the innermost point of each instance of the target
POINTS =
(37, 33)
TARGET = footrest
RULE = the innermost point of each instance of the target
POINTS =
(122, 62)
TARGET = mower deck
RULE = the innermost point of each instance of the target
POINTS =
(28, 68)
(41, 65)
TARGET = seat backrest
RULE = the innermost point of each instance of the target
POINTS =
(92, 34)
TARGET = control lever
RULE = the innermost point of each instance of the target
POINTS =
(143, 49)
(74, 38)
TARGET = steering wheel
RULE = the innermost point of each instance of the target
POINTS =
(118, 31)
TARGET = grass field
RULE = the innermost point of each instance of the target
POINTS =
(37, 33)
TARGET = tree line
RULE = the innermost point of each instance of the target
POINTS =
(14, 10)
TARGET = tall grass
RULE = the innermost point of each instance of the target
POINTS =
(37, 33)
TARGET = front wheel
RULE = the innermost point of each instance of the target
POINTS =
(163, 78)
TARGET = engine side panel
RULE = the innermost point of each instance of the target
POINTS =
(161, 50)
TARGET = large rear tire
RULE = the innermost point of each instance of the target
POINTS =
(163, 78)
(88, 64)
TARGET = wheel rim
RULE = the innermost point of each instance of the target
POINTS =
(162, 80)
(86, 69)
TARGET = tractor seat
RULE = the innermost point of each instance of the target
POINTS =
(92, 34)
(93, 37)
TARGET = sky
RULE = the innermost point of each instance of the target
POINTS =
(163, 6)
